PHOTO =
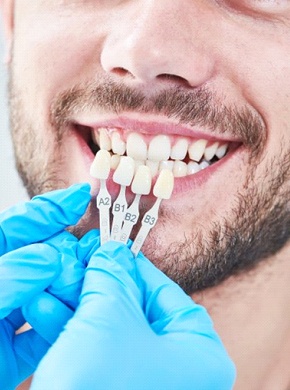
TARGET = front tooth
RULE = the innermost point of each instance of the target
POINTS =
(154, 167)
(210, 151)
(136, 147)
(104, 140)
(221, 151)
(96, 136)
(196, 149)
(179, 150)
(142, 181)
(179, 169)
(164, 185)
(100, 168)
(159, 148)
(124, 174)
(167, 164)
(118, 145)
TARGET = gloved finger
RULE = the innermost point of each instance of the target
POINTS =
(19, 355)
(24, 273)
(113, 270)
(47, 315)
(167, 306)
(67, 286)
(8, 365)
(29, 348)
(109, 331)
(109, 314)
(110, 282)
(16, 319)
(88, 245)
(75, 256)
(42, 217)
(181, 322)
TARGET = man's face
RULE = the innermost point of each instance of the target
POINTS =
(211, 70)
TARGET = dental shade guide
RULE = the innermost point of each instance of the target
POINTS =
(141, 185)
(100, 169)
(123, 176)
(162, 190)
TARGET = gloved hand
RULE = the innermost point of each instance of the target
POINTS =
(134, 329)
(27, 267)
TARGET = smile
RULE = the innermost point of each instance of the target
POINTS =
(182, 155)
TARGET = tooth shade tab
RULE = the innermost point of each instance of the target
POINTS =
(138, 163)
(136, 147)
(119, 210)
(124, 173)
(142, 181)
(164, 185)
(159, 148)
(100, 168)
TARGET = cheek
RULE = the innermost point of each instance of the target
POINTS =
(263, 78)
(263, 75)
(51, 58)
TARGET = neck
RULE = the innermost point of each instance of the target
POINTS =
(251, 313)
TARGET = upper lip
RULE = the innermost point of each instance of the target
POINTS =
(155, 127)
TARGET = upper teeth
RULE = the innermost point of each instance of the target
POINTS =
(161, 150)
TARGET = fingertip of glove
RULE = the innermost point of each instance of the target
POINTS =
(85, 187)
(79, 190)
(143, 260)
(115, 248)
(88, 245)
(112, 252)
(73, 199)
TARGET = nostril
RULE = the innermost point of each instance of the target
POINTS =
(173, 78)
(121, 72)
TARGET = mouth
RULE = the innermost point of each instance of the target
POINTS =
(185, 153)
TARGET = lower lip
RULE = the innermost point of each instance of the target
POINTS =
(181, 184)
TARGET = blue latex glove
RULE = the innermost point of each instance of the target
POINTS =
(27, 267)
(134, 329)
(49, 311)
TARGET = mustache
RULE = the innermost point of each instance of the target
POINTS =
(195, 107)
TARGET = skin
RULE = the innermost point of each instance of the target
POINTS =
(235, 52)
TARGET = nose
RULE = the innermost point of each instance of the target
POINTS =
(160, 39)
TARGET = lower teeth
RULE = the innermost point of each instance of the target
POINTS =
(179, 168)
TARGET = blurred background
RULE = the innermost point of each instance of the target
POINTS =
(11, 189)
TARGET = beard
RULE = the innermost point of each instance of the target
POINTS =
(256, 228)
(257, 225)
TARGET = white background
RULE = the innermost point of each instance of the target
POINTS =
(11, 189)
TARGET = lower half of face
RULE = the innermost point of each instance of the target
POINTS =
(222, 219)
